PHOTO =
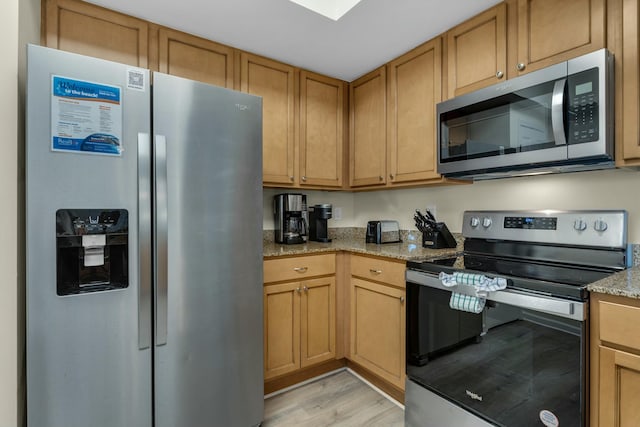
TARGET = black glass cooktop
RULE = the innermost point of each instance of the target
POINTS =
(548, 270)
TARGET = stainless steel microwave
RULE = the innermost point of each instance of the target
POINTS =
(557, 119)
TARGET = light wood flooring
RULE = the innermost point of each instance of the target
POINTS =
(341, 399)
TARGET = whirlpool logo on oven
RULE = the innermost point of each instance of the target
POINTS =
(474, 396)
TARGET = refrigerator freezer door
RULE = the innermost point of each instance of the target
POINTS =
(84, 362)
(208, 366)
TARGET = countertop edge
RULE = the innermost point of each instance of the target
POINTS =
(625, 283)
(396, 251)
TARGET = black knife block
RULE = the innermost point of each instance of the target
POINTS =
(439, 238)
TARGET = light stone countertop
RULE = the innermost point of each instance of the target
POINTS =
(405, 251)
(624, 284)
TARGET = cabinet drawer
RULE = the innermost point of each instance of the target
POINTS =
(379, 270)
(293, 268)
(619, 324)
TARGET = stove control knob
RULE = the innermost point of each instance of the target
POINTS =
(474, 222)
(600, 225)
(580, 224)
(486, 222)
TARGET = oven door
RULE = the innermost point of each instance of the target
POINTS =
(527, 363)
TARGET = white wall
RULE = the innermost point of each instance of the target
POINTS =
(612, 189)
(9, 369)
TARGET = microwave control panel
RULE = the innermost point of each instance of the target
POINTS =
(583, 108)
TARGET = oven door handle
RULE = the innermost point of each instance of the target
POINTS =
(565, 308)
(560, 307)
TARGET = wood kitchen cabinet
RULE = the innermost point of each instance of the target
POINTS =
(551, 31)
(519, 36)
(377, 317)
(476, 52)
(321, 130)
(393, 121)
(86, 29)
(624, 37)
(191, 57)
(414, 89)
(275, 83)
(299, 313)
(615, 361)
(368, 131)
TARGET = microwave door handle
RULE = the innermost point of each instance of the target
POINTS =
(557, 112)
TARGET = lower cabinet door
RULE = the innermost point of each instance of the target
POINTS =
(619, 389)
(378, 329)
(318, 321)
(281, 329)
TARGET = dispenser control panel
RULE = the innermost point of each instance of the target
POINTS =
(92, 250)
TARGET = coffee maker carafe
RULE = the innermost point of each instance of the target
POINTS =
(318, 216)
(291, 218)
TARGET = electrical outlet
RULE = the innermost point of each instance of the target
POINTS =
(432, 209)
(337, 214)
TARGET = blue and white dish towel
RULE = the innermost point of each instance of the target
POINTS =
(477, 287)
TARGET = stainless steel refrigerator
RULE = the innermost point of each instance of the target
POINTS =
(144, 248)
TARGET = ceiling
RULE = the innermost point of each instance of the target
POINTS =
(369, 35)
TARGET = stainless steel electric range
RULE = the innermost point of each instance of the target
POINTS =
(523, 359)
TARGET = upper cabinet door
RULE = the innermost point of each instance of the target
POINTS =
(624, 19)
(321, 130)
(367, 147)
(194, 58)
(94, 31)
(414, 91)
(552, 31)
(477, 52)
(274, 82)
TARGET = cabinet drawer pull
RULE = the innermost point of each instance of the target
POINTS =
(300, 269)
(375, 271)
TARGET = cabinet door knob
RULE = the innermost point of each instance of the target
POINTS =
(391, 175)
(375, 271)
(402, 300)
(521, 66)
(300, 269)
(304, 178)
(304, 288)
(499, 74)
(381, 177)
(291, 178)
(298, 290)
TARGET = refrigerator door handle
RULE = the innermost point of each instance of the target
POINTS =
(144, 241)
(161, 234)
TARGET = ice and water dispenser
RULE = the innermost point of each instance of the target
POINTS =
(92, 250)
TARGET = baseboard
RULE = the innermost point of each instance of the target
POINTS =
(364, 380)
(303, 383)
(294, 379)
(391, 390)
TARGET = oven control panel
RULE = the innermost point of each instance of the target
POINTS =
(581, 228)
(531, 222)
